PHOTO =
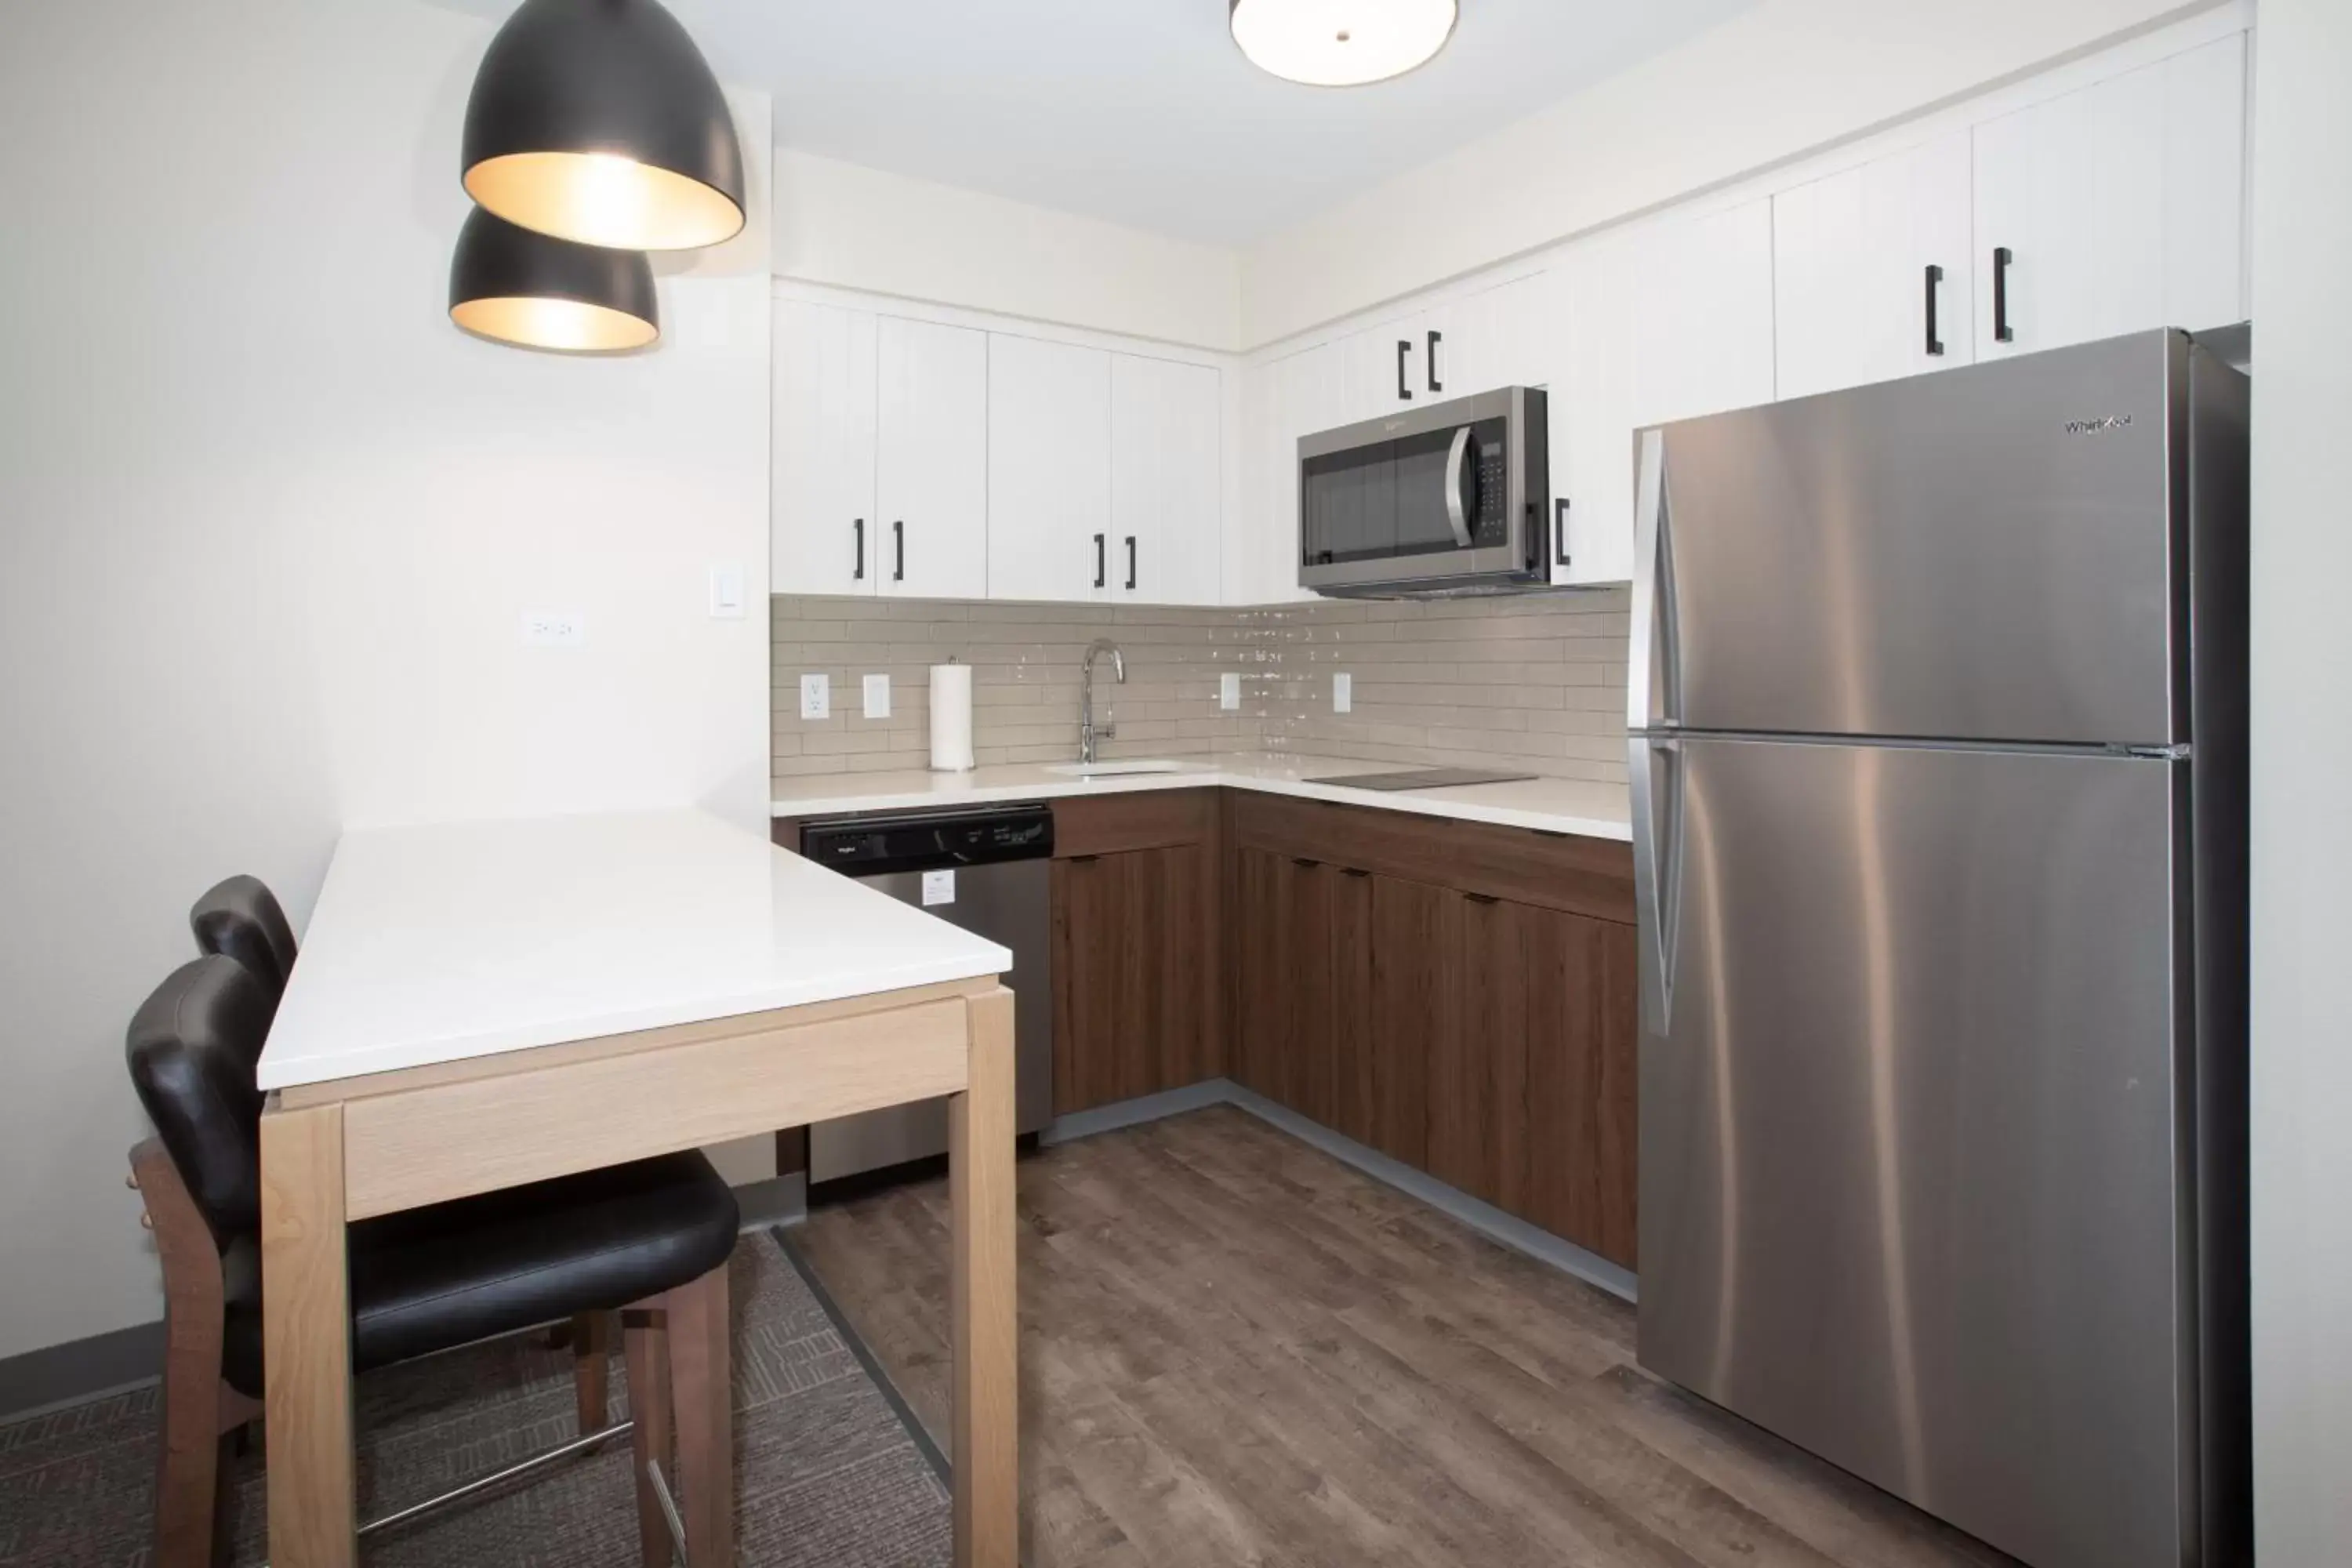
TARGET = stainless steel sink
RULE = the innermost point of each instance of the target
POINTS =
(1118, 769)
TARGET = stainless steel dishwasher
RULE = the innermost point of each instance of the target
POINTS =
(988, 869)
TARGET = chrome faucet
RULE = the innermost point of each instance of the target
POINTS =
(1087, 731)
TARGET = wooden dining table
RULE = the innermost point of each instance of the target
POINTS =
(482, 1005)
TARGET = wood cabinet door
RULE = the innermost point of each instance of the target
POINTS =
(1353, 1091)
(822, 537)
(1415, 967)
(1128, 1004)
(1534, 1108)
(1303, 912)
(1049, 471)
(1261, 963)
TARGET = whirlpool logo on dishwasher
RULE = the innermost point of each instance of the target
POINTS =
(2099, 426)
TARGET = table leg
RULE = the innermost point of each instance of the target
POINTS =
(986, 1310)
(307, 1340)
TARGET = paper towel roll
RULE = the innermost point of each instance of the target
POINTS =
(951, 717)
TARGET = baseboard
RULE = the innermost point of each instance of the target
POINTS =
(80, 1369)
(1508, 1229)
(779, 1200)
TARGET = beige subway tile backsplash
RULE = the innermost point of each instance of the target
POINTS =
(1536, 682)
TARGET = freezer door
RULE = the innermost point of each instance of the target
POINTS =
(1985, 553)
(1908, 1195)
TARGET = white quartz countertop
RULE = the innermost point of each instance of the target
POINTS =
(1547, 804)
(439, 943)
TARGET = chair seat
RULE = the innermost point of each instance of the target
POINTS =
(431, 1278)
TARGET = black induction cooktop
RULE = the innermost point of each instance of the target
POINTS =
(1423, 778)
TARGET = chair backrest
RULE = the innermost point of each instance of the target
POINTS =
(193, 1048)
(240, 917)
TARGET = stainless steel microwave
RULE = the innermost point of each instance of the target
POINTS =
(1443, 499)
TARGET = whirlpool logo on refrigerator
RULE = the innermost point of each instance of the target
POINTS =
(2099, 426)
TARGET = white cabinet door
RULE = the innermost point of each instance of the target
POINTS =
(1048, 470)
(823, 535)
(1167, 477)
(1306, 397)
(1668, 320)
(1379, 372)
(1872, 271)
(2116, 208)
(1477, 343)
(931, 475)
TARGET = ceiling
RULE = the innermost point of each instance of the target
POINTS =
(1143, 112)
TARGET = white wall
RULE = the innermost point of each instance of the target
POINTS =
(857, 227)
(1781, 79)
(268, 522)
(2301, 1129)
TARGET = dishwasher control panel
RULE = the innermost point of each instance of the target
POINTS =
(869, 846)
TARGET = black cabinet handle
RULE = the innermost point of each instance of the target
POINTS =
(1303, 864)
(1430, 368)
(1352, 871)
(1404, 347)
(858, 573)
(1935, 287)
(1083, 859)
(1130, 564)
(898, 533)
(1559, 533)
(1102, 561)
(1482, 898)
(2002, 330)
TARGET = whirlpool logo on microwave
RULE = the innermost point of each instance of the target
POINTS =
(2099, 426)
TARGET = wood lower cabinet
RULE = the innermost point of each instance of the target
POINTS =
(1139, 998)
(1458, 996)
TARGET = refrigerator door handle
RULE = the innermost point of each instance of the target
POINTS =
(1656, 766)
(1652, 690)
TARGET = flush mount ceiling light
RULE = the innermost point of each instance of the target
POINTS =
(599, 121)
(513, 286)
(1341, 43)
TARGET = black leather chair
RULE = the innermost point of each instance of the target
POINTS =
(240, 917)
(652, 1237)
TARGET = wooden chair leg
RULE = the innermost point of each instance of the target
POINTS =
(646, 1356)
(591, 1363)
(701, 1370)
(196, 1414)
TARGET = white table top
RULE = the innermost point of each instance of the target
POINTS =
(438, 943)
(1550, 805)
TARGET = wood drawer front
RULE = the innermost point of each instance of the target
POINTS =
(1592, 876)
(1145, 819)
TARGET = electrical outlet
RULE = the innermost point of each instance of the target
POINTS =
(1229, 690)
(1343, 691)
(817, 697)
(554, 628)
(878, 697)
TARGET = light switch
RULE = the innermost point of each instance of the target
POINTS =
(817, 697)
(727, 592)
(878, 697)
(554, 628)
(1229, 690)
(1343, 691)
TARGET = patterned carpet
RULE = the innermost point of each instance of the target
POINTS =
(827, 1476)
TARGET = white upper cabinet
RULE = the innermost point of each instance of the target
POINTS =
(1666, 320)
(1167, 481)
(822, 527)
(2114, 208)
(1872, 271)
(930, 483)
(1378, 372)
(1049, 432)
(1497, 336)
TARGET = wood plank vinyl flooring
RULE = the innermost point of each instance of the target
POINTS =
(1236, 1350)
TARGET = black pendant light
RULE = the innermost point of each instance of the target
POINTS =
(597, 121)
(509, 284)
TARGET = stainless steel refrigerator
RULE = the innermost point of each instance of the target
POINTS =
(1937, 741)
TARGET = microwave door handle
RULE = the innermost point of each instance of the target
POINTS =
(1455, 513)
